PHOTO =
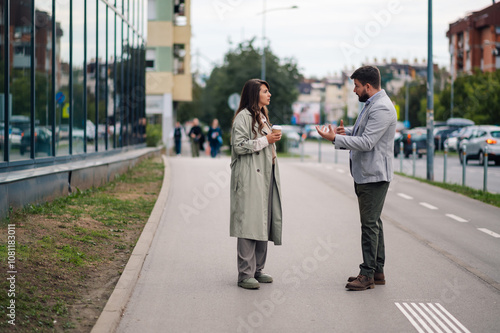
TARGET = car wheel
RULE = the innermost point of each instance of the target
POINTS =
(420, 155)
(481, 158)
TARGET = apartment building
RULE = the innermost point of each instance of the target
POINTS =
(168, 62)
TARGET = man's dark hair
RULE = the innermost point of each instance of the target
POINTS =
(367, 74)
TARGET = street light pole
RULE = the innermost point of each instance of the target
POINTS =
(264, 11)
(263, 67)
(430, 99)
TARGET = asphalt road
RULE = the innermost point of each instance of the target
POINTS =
(474, 176)
(442, 271)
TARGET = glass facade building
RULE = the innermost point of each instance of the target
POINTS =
(72, 79)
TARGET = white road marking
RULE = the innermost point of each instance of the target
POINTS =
(340, 171)
(328, 167)
(409, 318)
(456, 218)
(426, 205)
(489, 232)
(431, 318)
(405, 196)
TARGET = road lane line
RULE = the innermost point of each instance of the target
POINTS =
(405, 196)
(456, 218)
(426, 205)
(453, 318)
(489, 232)
(410, 319)
(340, 171)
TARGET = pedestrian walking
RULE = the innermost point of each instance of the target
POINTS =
(371, 145)
(196, 136)
(255, 214)
(214, 138)
(178, 138)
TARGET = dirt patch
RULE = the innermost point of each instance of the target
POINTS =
(70, 253)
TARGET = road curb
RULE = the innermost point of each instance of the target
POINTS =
(110, 316)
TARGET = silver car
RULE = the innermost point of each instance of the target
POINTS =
(482, 136)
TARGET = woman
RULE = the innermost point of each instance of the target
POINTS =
(214, 138)
(255, 184)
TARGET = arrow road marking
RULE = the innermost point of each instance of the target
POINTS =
(456, 218)
(405, 196)
(431, 318)
(426, 205)
(489, 232)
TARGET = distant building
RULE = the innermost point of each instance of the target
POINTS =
(168, 69)
(475, 41)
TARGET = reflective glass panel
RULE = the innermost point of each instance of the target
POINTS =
(20, 79)
(62, 77)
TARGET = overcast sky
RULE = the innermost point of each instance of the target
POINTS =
(326, 36)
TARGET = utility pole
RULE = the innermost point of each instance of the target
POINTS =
(430, 99)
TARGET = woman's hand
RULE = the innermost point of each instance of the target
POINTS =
(273, 137)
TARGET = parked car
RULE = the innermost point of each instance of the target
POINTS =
(463, 134)
(416, 135)
(452, 141)
(441, 134)
(474, 147)
(43, 138)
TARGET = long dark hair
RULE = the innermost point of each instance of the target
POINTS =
(249, 100)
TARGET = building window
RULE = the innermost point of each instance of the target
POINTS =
(180, 13)
(150, 60)
(179, 58)
(151, 9)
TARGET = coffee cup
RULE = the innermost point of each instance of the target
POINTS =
(276, 128)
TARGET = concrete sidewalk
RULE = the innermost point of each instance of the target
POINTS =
(188, 282)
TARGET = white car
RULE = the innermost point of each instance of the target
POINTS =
(482, 137)
(451, 143)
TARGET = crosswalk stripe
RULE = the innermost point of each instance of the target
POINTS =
(431, 318)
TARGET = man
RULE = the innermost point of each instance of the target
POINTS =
(196, 135)
(371, 145)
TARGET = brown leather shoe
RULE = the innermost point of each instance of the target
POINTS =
(362, 282)
(378, 277)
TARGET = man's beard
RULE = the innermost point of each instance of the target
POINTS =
(364, 97)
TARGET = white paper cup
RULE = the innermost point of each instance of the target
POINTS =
(276, 128)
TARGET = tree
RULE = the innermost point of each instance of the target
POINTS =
(244, 63)
(476, 97)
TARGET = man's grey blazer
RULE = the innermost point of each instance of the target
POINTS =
(372, 146)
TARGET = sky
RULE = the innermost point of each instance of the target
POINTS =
(326, 36)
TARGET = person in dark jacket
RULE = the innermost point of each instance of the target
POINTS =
(195, 134)
(215, 138)
(177, 138)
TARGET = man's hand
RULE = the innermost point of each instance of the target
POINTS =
(340, 129)
(273, 137)
(326, 132)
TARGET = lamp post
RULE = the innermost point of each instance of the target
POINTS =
(430, 98)
(264, 11)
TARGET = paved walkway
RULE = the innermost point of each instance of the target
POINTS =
(188, 282)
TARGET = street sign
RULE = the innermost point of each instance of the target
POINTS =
(60, 98)
(65, 111)
(234, 101)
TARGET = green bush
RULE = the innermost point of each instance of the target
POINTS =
(153, 135)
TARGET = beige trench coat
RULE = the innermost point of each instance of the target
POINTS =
(250, 179)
